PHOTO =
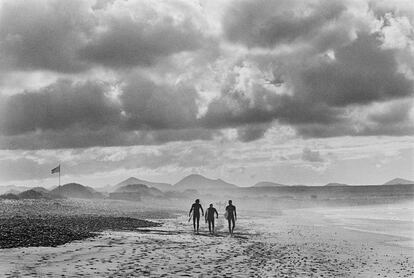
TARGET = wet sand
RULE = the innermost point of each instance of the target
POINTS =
(289, 244)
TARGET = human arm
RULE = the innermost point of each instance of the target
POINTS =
(202, 211)
(235, 214)
(216, 213)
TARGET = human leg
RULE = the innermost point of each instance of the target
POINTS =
(198, 223)
(194, 220)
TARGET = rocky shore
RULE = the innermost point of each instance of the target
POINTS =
(28, 223)
(54, 230)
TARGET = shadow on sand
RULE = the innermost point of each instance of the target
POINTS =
(180, 232)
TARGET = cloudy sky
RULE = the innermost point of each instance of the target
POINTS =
(296, 92)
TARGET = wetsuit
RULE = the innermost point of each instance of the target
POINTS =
(195, 208)
(210, 218)
(231, 215)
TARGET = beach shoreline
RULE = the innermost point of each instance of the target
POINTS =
(294, 243)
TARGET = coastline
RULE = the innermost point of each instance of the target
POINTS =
(294, 243)
(396, 221)
(405, 242)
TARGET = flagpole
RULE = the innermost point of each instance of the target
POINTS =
(59, 175)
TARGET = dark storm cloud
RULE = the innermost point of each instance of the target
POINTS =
(59, 106)
(235, 108)
(42, 35)
(127, 43)
(362, 72)
(268, 23)
(388, 119)
(70, 36)
(151, 106)
(306, 65)
(324, 87)
(142, 105)
(83, 114)
(393, 119)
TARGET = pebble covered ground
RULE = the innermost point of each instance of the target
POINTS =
(25, 223)
(54, 230)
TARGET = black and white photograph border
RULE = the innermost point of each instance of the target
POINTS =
(222, 138)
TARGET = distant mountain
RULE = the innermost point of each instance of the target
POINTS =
(9, 196)
(13, 189)
(267, 184)
(336, 184)
(137, 192)
(201, 183)
(132, 180)
(18, 189)
(35, 194)
(142, 189)
(398, 181)
(76, 190)
(40, 189)
(105, 189)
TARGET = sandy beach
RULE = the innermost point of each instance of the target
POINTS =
(291, 243)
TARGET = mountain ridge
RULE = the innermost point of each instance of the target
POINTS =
(398, 181)
(336, 184)
(140, 188)
(13, 189)
(199, 182)
(133, 180)
(76, 190)
(268, 184)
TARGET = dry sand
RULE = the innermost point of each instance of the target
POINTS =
(290, 244)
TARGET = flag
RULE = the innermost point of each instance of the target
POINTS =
(56, 170)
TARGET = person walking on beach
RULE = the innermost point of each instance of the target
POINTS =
(195, 209)
(231, 216)
(210, 218)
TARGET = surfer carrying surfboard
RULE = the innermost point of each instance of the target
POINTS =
(231, 216)
(210, 218)
(195, 209)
